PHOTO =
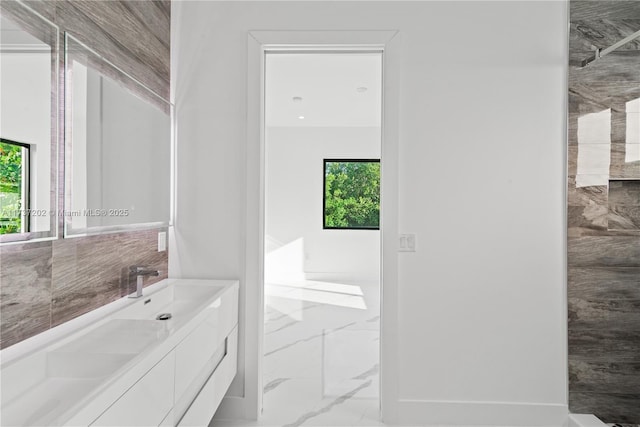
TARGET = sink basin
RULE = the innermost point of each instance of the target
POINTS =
(105, 349)
(182, 302)
(78, 369)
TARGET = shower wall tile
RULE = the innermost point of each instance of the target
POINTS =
(594, 315)
(591, 217)
(25, 291)
(604, 345)
(604, 283)
(591, 376)
(625, 161)
(624, 218)
(621, 407)
(620, 67)
(624, 205)
(583, 196)
(607, 251)
(603, 214)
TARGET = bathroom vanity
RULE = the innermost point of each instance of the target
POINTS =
(164, 359)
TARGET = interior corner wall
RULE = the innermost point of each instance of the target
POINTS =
(481, 316)
(293, 213)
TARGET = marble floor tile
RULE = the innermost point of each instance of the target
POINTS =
(321, 355)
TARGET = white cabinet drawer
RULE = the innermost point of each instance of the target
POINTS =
(208, 398)
(147, 402)
(194, 353)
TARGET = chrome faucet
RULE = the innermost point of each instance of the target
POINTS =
(140, 272)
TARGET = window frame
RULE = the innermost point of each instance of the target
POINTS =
(324, 198)
(25, 189)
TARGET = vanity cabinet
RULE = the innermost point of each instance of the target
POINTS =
(187, 385)
(147, 402)
(200, 353)
(122, 366)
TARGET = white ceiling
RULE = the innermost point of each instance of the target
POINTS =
(327, 84)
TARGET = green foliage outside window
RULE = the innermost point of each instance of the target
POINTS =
(11, 160)
(352, 194)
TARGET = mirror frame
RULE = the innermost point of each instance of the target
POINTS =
(103, 66)
(42, 28)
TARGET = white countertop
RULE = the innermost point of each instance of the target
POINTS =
(72, 371)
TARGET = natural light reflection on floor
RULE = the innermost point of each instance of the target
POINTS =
(337, 294)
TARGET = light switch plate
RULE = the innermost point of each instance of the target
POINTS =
(407, 243)
(162, 241)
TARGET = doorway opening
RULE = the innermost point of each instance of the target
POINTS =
(322, 245)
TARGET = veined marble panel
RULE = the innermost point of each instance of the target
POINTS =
(625, 161)
(587, 195)
(610, 407)
(599, 10)
(591, 217)
(603, 241)
(604, 345)
(606, 251)
(619, 66)
(624, 205)
(93, 271)
(592, 376)
(25, 291)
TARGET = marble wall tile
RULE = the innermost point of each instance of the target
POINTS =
(624, 205)
(592, 376)
(604, 283)
(606, 251)
(606, 9)
(625, 161)
(619, 66)
(25, 291)
(91, 272)
(624, 218)
(624, 193)
(592, 217)
(584, 196)
(604, 314)
(603, 241)
(604, 345)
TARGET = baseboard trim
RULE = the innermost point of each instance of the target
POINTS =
(424, 413)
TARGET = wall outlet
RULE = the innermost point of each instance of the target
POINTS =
(407, 243)
(162, 241)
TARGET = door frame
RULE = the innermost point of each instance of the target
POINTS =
(259, 43)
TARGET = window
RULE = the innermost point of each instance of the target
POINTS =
(351, 194)
(14, 187)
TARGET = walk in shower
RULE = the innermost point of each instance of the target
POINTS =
(604, 210)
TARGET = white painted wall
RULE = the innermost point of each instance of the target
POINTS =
(294, 191)
(25, 116)
(481, 313)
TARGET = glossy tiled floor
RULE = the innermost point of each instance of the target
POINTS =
(321, 355)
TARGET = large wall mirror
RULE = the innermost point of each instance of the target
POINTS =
(118, 148)
(28, 124)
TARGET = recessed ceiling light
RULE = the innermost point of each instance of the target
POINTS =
(301, 117)
(361, 89)
(297, 99)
